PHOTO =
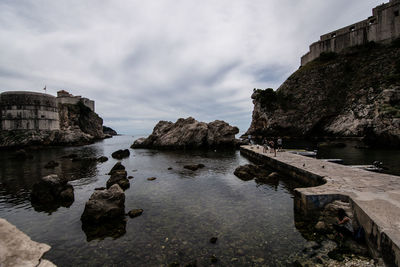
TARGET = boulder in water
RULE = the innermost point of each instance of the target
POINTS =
(120, 154)
(194, 167)
(119, 177)
(52, 191)
(104, 205)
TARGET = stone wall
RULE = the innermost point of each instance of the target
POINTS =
(75, 99)
(382, 26)
(28, 111)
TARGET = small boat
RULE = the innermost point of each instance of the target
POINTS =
(371, 168)
(304, 153)
(338, 161)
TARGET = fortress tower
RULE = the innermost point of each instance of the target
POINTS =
(383, 26)
(24, 110)
(28, 111)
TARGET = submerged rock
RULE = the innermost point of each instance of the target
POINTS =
(189, 133)
(194, 167)
(120, 154)
(102, 159)
(213, 240)
(51, 192)
(135, 212)
(249, 171)
(51, 164)
(104, 205)
(151, 178)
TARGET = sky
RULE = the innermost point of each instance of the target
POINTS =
(146, 61)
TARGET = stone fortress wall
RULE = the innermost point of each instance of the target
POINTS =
(24, 110)
(382, 26)
(63, 97)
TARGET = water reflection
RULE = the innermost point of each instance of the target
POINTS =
(114, 229)
(17, 177)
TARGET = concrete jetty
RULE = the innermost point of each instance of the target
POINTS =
(375, 197)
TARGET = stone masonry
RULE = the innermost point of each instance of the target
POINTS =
(383, 26)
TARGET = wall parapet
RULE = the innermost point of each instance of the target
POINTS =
(383, 26)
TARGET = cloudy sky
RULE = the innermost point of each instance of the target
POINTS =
(145, 61)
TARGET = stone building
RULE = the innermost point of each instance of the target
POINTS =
(28, 111)
(63, 97)
(383, 26)
(23, 110)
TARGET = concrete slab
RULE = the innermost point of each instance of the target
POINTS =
(375, 197)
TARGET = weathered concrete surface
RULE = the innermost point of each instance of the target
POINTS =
(375, 197)
(17, 249)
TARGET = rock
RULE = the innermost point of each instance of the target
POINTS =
(213, 240)
(51, 192)
(151, 178)
(102, 159)
(249, 171)
(330, 212)
(130, 177)
(273, 175)
(51, 164)
(118, 177)
(169, 168)
(356, 248)
(104, 205)
(17, 249)
(189, 133)
(108, 130)
(120, 154)
(320, 226)
(100, 188)
(118, 166)
(135, 212)
(194, 167)
(213, 259)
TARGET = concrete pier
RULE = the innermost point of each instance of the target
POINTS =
(375, 197)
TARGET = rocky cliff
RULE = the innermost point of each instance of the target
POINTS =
(189, 133)
(352, 94)
(78, 126)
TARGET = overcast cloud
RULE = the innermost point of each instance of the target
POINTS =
(145, 61)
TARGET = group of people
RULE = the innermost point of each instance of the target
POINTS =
(271, 145)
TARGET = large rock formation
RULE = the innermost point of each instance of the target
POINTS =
(189, 133)
(352, 94)
(109, 131)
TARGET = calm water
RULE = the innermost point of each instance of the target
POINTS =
(254, 223)
(182, 210)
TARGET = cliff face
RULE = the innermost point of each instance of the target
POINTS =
(352, 94)
(80, 117)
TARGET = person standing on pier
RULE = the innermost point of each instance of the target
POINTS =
(279, 143)
(272, 146)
